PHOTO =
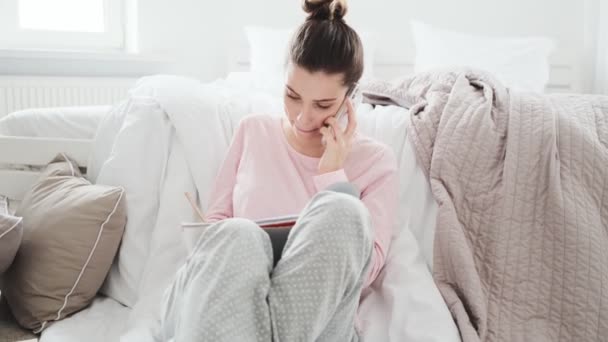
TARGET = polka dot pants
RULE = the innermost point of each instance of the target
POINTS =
(229, 291)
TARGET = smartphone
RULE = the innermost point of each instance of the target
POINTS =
(355, 98)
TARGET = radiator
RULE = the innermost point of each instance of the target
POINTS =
(21, 92)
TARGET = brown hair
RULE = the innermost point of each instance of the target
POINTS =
(324, 42)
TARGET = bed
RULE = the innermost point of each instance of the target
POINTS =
(411, 284)
(405, 304)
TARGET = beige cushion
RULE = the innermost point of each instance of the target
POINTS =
(10, 331)
(10, 239)
(71, 232)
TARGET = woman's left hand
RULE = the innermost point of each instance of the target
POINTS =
(337, 142)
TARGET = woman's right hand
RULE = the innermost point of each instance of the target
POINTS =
(337, 142)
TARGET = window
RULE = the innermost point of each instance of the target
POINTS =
(62, 24)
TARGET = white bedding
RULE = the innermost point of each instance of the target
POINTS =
(183, 150)
(103, 321)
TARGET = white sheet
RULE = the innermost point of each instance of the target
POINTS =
(103, 321)
(417, 208)
(60, 122)
(403, 304)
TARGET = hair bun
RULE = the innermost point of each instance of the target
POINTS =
(325, 9)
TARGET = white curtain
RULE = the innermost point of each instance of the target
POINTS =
(600, 84)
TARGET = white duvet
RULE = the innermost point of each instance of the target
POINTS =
(170, 137)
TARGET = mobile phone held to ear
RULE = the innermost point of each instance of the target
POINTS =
(355, 97)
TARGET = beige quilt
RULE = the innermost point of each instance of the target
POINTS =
(521, 247)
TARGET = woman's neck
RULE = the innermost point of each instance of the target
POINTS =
(311, 150)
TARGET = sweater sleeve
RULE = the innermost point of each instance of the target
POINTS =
(324, 180)
(381, 199)
(221, 198)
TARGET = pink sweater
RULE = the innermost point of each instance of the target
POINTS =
(263, 176)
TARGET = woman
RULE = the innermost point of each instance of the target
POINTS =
(342, 185)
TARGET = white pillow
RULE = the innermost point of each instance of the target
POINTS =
(520, 63)
(268, 49)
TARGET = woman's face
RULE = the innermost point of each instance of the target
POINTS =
(311, 98)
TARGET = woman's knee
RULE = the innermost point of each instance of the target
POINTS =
(233, 254)
(239, 229)
(232, 234)
(339, 214)
(347, 203)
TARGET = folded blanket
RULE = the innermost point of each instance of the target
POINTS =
(521, 179)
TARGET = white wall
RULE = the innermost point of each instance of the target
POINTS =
(203, 38)
(199, 36)
(599, 67)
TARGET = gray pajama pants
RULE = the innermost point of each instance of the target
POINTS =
(229, 291)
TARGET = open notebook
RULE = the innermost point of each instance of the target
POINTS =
(266, 223)
(271, 222)
(277, 228)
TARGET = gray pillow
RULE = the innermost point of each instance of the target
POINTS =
(11, 232)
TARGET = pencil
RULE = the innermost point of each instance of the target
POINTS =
(194, 206)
